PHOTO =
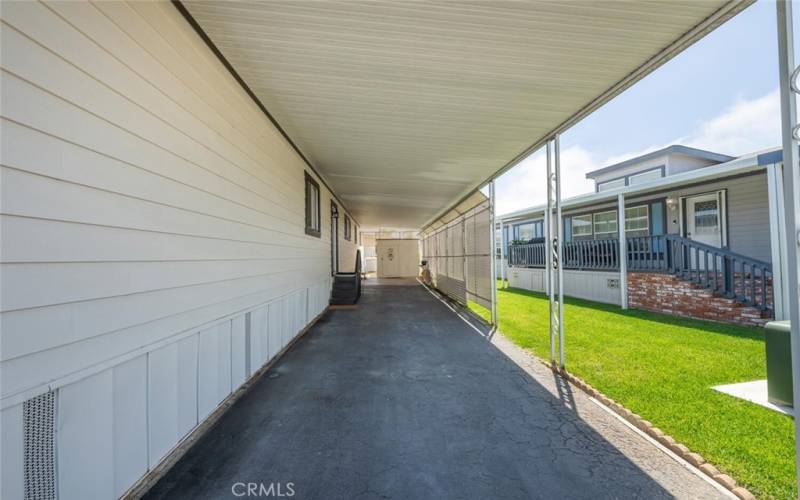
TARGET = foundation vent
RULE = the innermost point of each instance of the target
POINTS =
(39, 465)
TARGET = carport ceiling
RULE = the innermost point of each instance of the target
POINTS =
(406, 107)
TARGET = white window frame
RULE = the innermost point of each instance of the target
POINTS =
(313, 218)
(590, 225)
(646, 218)
(614, 220)
(632, 178)
(604, 186)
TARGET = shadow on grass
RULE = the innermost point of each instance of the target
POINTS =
(743, 332)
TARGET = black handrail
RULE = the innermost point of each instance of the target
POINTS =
(720, 270)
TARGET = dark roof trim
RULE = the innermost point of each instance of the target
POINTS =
(204, 36)
(674, 149)
(770, 157)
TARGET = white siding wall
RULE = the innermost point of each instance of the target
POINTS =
(681, 163)
(148, 209)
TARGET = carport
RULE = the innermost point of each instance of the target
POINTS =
(174, 177)
(475, 89)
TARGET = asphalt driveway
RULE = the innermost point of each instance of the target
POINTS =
(400, 398)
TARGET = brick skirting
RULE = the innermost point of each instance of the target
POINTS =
(668, 294)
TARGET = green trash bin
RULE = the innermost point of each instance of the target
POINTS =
(779, 363)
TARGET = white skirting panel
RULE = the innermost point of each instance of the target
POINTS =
(600, 286)
(115, 425)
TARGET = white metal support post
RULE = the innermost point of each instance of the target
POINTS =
(549, 251)
(777, 233)
(502, 254)
(791, 192)
(559, 252)
(623, 252)
(492, 258)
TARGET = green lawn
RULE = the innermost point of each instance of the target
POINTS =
(662, 368)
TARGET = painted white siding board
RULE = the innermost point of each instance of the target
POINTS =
(122, 211)
(227, 97)
(214, 368)
(238, 352)
(40, 240)
(65, 80)
(158, 49)
(187, 365)
(286, 321)
(33, 285)
(11, 453)
(70, 335)
(275, 325)
(681, 163)
(257, 320)
(140, 57)
(42, 154)
(162, 407)
(129, 393)
(85, 445)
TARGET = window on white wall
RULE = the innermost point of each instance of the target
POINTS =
(645, 177)
(616, 183)
(347, 228)
(312, 207)
(637, 218)
(582, 225)
(605, 223)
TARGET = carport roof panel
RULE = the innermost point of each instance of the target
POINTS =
(406, 107)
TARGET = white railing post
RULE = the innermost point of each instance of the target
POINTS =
(791, 193)
(623, 252)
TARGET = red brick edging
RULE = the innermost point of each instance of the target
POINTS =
(667, 441)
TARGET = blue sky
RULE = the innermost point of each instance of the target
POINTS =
(720, 94)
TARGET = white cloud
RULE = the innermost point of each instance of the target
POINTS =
(525, 185)
(747, 126)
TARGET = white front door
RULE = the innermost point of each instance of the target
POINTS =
(704, 219)
(389, 260)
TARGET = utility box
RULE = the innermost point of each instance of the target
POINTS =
(779, 363)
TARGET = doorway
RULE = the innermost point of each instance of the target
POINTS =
(704, 219)
(334, 238)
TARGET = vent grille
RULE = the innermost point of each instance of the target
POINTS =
(39, 441)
